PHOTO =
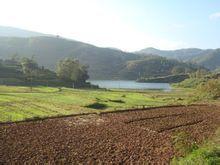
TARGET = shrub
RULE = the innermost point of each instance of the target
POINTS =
(208, 153)
(210, 89)
(183, 143)
(190, 83)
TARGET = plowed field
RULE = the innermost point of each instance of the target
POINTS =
(142, 136)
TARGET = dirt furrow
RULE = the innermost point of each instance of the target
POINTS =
(156, 117)
(182, 125)
(105, 139)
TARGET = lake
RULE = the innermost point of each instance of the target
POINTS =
(127, 84)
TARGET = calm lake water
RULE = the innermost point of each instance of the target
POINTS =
(126, 84)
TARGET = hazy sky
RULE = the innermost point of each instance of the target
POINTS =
(126, 24)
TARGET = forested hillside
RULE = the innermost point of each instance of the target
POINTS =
(104, 63)
(25, 71)
(179, 54)
(155, 66)
(210, 60)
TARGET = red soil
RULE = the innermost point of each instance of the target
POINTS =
(125, 137)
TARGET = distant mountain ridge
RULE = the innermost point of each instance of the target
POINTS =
(104, 63)
(153, 66)
(6, 31)
(209, 58)
(179, 54)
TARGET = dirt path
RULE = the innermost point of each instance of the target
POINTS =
(126, 137)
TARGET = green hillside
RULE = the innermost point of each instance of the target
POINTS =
(180, 54)
(155, 66)
(104, 63)
(11, 73)
(210, 60)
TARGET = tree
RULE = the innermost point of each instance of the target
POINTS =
(72, 72)
(178, 70)
(200, 73)
(30, 69)
(210, 89)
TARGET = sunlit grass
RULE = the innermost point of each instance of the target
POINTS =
(208, 153)
(20, 103)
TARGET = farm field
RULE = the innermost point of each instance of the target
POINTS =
(139, 136)
(20, 103)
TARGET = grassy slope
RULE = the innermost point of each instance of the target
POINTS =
(208, 153)
(19, 103)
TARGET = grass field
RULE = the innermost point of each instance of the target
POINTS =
(208, 153)
(20, 103)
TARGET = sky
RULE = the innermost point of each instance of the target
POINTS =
(129, 25)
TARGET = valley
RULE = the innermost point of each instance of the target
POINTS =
(64, 101)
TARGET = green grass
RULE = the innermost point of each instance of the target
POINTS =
(207, 154)
(190, 83)
(20, 103)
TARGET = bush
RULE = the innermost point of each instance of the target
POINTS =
(208, 153)
(183, 143)
(210, 89)
(190, 83)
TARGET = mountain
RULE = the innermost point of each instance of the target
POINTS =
(16, 32)
(153, 66)
(180, 54)
(210, 60)
(104, 63)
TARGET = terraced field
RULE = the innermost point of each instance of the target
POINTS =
(19, 103)
(140, 136)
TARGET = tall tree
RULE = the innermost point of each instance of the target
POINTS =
(72, 72)
(29, 69)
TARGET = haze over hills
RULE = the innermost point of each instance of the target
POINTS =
(156, 66)
(6, 31)
(104, 63)
(180, 54)
(209, 58)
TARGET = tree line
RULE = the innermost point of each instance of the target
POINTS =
(69, 72)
